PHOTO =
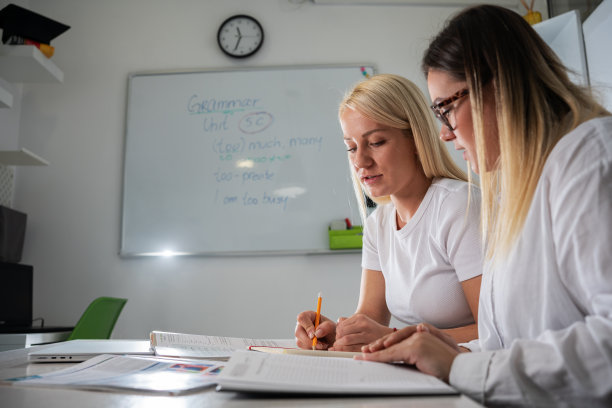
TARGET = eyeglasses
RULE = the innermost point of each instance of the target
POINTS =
(441, 114)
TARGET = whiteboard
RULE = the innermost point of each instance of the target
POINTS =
(235, 162)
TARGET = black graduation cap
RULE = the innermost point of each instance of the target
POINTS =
(15, 20)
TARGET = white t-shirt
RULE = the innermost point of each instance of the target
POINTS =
(545, 315)
(424, 262)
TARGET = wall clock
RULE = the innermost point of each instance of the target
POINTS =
(240, 36)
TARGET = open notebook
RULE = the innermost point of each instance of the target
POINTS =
(180, 345)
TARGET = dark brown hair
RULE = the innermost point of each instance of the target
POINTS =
(536, 104)
(482, 43)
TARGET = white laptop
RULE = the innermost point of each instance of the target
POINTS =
(80, 350)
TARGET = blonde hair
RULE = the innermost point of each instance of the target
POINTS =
(536, 105)
(395, 101)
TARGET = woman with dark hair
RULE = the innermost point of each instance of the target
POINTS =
(543, 149)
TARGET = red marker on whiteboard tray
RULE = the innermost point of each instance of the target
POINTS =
(348, 223)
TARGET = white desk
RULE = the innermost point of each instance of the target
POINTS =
(14, 364)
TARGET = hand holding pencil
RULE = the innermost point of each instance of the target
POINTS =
(309, 334)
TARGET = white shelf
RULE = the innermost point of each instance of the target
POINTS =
(25, 63)
(21, 157)
(6, 98)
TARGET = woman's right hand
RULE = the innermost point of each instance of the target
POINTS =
(305, 331)
(431, 350)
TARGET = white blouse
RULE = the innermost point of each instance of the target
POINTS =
(545, 314)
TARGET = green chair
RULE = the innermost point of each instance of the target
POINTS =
(98, 320)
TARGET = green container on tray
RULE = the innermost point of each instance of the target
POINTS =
(346, 239)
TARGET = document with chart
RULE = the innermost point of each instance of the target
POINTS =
(108, 372)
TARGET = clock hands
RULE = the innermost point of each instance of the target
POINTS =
(239, 38)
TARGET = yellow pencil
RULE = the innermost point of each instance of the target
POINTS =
(317, 318)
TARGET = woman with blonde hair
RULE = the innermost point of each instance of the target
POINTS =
(421, 255)
(543, 148)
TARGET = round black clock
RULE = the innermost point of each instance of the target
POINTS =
(240, 36)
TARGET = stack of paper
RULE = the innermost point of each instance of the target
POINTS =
(282, 373)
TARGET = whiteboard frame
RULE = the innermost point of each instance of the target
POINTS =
(131, 255)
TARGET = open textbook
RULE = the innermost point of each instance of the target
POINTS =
(284, 373)
(202, 346)
(129, 373)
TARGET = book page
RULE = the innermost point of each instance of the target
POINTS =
(202, 346)
(249, 371)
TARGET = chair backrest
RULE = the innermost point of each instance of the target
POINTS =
(98, 320)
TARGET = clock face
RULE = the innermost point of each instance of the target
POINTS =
(240, 36)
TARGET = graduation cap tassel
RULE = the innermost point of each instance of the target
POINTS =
(46, 49)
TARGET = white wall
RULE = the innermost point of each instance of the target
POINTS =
(9, 130)
(78, 126)
(9, 118)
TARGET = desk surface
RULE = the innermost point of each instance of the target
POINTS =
(14, 364)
